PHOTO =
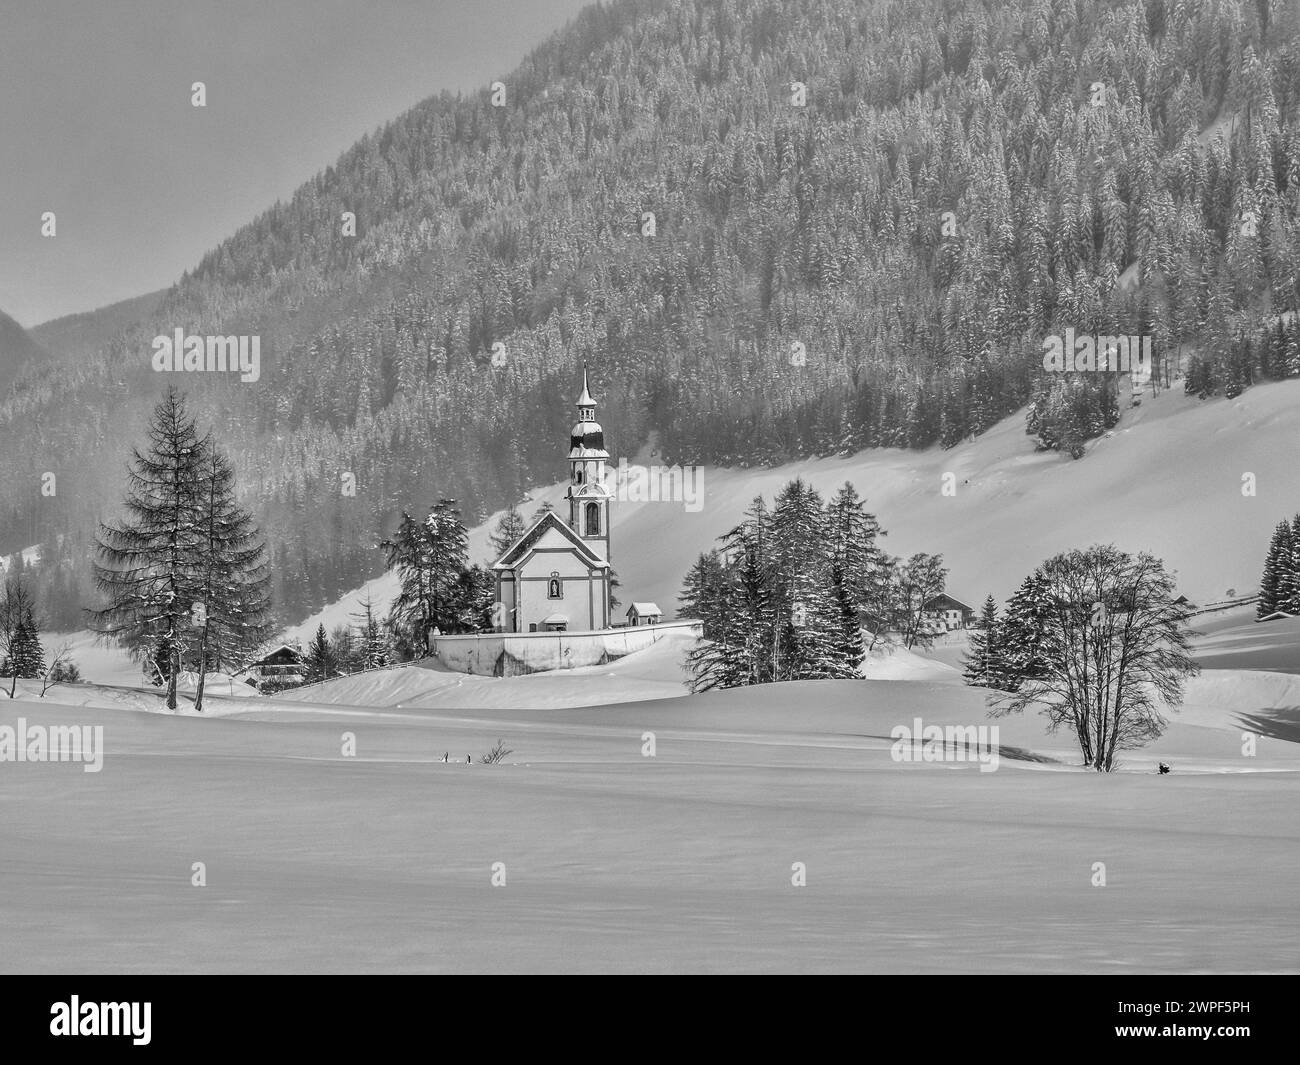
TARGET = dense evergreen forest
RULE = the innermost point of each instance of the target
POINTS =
(866, 217)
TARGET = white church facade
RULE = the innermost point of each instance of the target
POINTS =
(553, 583)
(556, 576)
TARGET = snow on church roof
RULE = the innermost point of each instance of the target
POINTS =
(520, 547)
(645, 609)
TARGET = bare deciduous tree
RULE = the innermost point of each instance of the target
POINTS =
(1115, 647)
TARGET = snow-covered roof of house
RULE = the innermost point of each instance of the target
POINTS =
(294, 652)
(1275, 616)
(642, 609)
(935, 602)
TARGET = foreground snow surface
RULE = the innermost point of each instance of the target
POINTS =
(615, 861)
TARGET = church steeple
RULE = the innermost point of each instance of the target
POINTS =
(588, 495)
(585, 399)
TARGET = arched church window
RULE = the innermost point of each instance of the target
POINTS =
(555, 590)
(593, 520)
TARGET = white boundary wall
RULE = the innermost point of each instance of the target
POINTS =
(511, 654)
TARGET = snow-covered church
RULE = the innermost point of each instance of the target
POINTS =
(556, 576)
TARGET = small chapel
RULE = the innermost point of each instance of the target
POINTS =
(556, 576)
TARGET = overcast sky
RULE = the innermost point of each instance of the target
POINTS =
(96, 123)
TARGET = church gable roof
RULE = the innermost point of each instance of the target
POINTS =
(548, 521)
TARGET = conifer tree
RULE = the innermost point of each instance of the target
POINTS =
(510, 526)
(21, 654)
(373, 646)
(982, 658)
(232, 583)
(1022, 631)
(801, 590)
(1277, 567)
(410, 554)
(146, 567)
(322, 661)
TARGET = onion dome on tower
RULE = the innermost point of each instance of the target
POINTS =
(587, 435)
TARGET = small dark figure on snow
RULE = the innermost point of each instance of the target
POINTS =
(469, 758)
(444, 756)
(1164, 768)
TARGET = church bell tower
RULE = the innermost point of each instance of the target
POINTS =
(588, 494)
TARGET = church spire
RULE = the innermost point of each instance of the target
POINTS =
(585, 399)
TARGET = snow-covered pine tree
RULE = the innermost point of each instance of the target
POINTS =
(753, 631)
(410, 554)
(232, 581)
(448, 553)
(700, 581)
(809, 618)
(1276, 565)
(1024, 623)
(373, 647)
(719, 658)
(856, 566)
(146, 566)
(27, 653)
(322, 662)
(984, 648)
(849, 650)
(1288, 598)
(21, 654)
(852, 533)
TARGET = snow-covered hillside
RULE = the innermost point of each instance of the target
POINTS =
(1168, 479)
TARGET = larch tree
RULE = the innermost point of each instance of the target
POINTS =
(147, 559)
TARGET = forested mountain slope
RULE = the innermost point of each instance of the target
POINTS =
(19, 352)
(866, 218)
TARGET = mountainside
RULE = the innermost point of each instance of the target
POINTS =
(19, 352)
(79, 336)
(866, 218)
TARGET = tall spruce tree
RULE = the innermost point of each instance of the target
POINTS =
(1021, 654)
(1289, 584)
(449, 552)
(232, 611)
(322, 660)
(147, 559)
(410, 554)
(799, 578)
(21, 654)
(1277, 567)
(430, 560)
(982, 658)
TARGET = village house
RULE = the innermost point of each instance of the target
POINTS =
(943, 613)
